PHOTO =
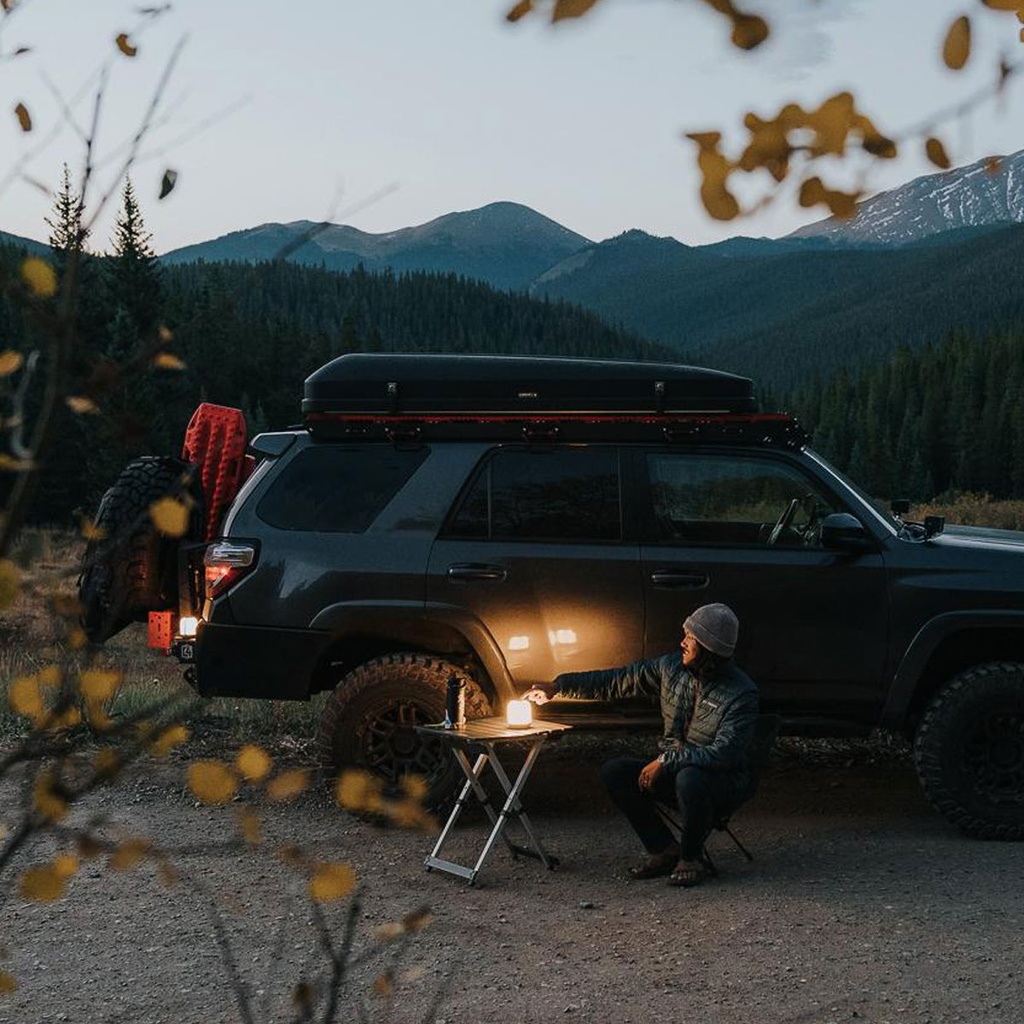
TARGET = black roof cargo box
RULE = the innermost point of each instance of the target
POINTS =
(362, 384)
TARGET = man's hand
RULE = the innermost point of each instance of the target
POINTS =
(649, 773)
(541, 693)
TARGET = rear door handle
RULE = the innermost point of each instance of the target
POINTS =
(465, 571)
(670, 578)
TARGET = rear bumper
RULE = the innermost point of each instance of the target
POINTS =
(254, 661)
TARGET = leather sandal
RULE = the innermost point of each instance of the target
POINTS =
(655, 865)
(687, 873)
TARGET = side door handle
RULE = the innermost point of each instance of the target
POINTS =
(681, 580)
(467, 571)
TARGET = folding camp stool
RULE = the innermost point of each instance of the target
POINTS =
(483, 736)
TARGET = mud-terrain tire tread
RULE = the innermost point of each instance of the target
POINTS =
(423, 676)
(944, 714)
(132, 569)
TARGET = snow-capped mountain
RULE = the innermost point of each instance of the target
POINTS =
(983, 194)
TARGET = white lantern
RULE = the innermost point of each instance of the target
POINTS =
(519, 714)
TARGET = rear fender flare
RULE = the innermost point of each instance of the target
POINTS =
(412, 624)
(923, 646)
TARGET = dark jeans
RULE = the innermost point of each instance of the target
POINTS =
(699, 794)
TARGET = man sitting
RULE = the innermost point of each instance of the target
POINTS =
(709, 707)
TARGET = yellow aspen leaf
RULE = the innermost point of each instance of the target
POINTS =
(80, 405)
(24, 117)
(288, 784)
(26, 698)
(43, 883)
(1006, 5)
(170, 517)
(812, 192)
(98, 685)
(384, 984)
(571, 9)
(106, 763)
(9, 465)
(10, 362)
(167, 361)
(90, 531)
(10, 584)
(331, 882)
(169, 738)
(77, 638)
(831, 123)
(125, 46)
(67, 719)
(212, 782)
(65, 865)
(48, 799)
(719, 202)
(250, 826)
(842, 204)
(520, 10)
(358, 790)
(51, 676)
(8, 983)
(253, 763)
(957, 47)
(872, 140)
(748, 31)
(936, 152)
(128, 854)
(40, 277)
(410, 814)
(414, 786)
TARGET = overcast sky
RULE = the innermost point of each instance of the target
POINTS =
(312, 109)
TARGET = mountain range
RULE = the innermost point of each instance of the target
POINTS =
(940, 254)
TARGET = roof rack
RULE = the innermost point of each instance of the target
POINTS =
(769, 429)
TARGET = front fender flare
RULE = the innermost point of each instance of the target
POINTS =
(923, 646)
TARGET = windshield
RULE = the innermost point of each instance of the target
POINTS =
(871, 505)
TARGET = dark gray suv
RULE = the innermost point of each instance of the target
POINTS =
(508, 519)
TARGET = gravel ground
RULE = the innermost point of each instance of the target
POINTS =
(861, 905)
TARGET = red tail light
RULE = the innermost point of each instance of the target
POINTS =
(224, 564)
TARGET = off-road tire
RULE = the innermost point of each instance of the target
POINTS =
(969, 751)
(370, 718)
(132, 568)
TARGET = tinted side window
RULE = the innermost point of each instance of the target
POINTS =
(698, 499)
(561, 494)
(337, 488)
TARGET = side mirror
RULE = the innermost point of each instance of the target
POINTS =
(844, 531)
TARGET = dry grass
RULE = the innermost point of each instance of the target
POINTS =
(969, 509)
(33, 636)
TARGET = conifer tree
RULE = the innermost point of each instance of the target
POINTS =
(67, 232)
(134, 279)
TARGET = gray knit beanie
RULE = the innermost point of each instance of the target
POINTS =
(716, 627)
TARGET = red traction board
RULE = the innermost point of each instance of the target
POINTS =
(215, 442)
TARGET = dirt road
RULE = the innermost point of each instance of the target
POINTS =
(861, 905)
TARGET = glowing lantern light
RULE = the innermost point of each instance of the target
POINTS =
(519, 714)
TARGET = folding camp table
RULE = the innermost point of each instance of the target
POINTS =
(483, 736)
